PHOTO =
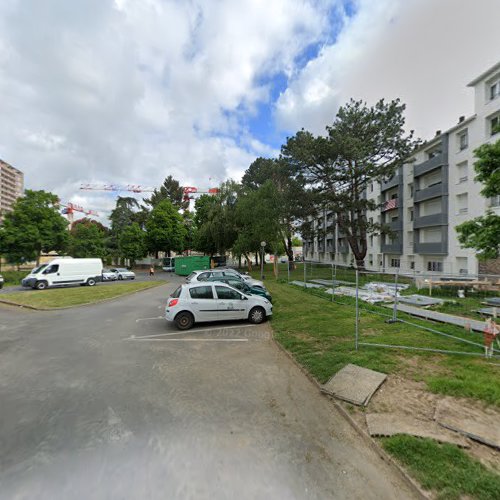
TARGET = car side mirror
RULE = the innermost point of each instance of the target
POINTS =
(243, 297)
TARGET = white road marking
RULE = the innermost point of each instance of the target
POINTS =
(191, 331)
(146, 319)
(188, 340)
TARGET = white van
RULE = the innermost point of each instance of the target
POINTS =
(64, 272)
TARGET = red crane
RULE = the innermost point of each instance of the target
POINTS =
(70, 208)
(188, 191)
(134, 188)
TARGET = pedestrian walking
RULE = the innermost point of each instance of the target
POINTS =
(490, 331)
(152, 271)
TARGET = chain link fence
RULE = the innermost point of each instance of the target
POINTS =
(451, 313)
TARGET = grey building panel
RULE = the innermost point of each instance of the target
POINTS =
(435, 191)
(430, 248)
(395, 247)
(393, 182)
(430, 220)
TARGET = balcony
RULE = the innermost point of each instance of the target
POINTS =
(392, 247)
(343, 248)
(439, 248)
(393, 182)
(430, 220)
(394, 225)
(390, 204)
(431, 192)
(431, 164)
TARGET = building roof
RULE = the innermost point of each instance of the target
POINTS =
(483, 75)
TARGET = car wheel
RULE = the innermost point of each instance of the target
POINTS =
(257, 315)
(120, 277)
(184, 320)
(91, 282)
(41, 285)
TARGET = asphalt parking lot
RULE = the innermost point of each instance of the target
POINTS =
(109, 401)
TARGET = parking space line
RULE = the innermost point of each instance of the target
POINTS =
(192, 331)
(187, 340)
(145, 319)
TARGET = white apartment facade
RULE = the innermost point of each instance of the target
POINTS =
(424, 201)
(11, 187)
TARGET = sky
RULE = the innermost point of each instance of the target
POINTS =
(130, 91)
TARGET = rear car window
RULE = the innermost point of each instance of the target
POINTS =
(203, 276)
(201, 292)
(226, 293)
(177, 293)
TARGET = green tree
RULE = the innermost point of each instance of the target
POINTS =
(125, 213)
(215, 220)
(364, 144)
(32, 227)
(132, 243)
(483, 233)
(292, 202)
(170, 190)
(165, 229)
(88, 239)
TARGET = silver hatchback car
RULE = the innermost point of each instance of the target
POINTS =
(212, 301)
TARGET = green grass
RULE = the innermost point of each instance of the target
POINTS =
(13, 277)
(320, 334)
(76, 296)
(444, 468)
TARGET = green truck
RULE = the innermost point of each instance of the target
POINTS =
(186, 265)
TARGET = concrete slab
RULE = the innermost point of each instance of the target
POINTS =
(489, 311)
(493, 301)
(389, 424)
(336, 282)
(354, 384)
(478, 424)
(420, 300)
(306, 285)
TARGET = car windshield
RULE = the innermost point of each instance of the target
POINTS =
(38, 269)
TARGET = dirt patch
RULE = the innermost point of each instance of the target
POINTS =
(402, 396)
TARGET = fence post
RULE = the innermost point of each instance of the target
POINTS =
(288, 273)
(357, 309)
(305, 275)
(395, 308)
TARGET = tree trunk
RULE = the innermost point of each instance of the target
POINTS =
(239, 261)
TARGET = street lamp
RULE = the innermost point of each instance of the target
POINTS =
(262, 246)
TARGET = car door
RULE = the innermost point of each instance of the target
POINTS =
(230, 303)
(203, 303)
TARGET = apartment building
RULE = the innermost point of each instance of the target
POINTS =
(11, 186)
(422, 203)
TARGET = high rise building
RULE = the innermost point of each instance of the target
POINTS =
(11, 187)
(426, 199)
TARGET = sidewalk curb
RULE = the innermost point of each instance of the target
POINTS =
(410, 482)
(33, 308)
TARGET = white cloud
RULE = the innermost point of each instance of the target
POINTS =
(423, 51)
(130, 91)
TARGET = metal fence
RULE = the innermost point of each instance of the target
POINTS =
(452, 313)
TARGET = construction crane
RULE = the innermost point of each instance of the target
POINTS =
(190, 191)
(114, 187)
(70, 208)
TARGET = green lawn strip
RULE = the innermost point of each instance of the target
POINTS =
(444, 468)
(13, 277)
(320, 334)
(76, 296)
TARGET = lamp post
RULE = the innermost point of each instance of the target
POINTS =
(262, 246)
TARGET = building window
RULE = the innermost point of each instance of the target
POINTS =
(494, 90)
(411, 214)
(495, 125)
(395, 262)
(495, 201)
(412, 264)
(370, 259)
(371, 187)
(435, 266)
(411, 190)
(463, 140)
(462, 172)
(462, 203)
(371, 240)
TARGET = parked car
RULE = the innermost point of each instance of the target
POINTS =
(195, 302)
(122, 273)
(107, 275)
(216, 273)
(1, 281)
(242, 286)
(64, 272)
